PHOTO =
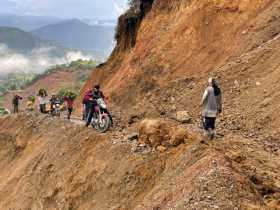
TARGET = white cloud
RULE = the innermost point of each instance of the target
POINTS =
(69, 8)
(39, 60)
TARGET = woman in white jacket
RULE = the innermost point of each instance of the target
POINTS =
(211, 106)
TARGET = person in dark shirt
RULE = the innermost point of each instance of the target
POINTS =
(97, 93)
(70, 105)
(86, 103)
(15, 102)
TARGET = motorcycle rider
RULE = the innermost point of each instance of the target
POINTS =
(87, 103)
(53, 101)
(96, 94)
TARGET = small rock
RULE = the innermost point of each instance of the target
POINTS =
(133, 119)
(258, 83)
(172, 99)
(236, 83)
(173, 108)
(266, 102)
(161, 149)
(132, 136)
(244, 32)
(183, 117)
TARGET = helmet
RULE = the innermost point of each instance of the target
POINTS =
(97, 87)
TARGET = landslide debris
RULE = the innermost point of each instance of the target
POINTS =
(60, 165)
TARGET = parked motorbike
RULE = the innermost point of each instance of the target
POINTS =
(101, 119)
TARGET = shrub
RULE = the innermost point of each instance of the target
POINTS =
(67, 93)
(31, 98)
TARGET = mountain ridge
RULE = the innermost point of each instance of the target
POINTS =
(76, 34)
(20, 40)
(25, 22)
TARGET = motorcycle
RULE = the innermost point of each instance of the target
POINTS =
(56, 110)
(101, 119)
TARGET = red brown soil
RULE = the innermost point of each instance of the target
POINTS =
(160, 66)
(75, 168)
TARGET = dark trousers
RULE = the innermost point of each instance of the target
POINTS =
(90, 108)
(70, 110)
(43, 108)
(87, 108)
(16, 109)
(209, 123)
(90, 116)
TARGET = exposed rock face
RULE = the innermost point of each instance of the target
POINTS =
(129, 24)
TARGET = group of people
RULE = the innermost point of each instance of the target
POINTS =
(211, 104)
(43, 101)
(55, 99)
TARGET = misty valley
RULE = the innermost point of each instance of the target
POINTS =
(31, 47)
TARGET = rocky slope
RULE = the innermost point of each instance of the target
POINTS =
(169, 49)
(74, 168)
(166, 51)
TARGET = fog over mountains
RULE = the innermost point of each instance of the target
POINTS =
(22, 52)
(35, 35)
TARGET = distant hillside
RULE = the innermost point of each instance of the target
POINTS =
(19, 40)
(71, 77)
(27, 23)
(76, 34)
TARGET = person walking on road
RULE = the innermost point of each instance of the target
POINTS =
(211, 106)
(42, 98)
(70, 105)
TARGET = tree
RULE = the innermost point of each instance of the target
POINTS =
(134, 4)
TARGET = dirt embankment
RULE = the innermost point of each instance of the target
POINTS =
(58, 165)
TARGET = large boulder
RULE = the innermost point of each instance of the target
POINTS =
(178, 135)
(153, 132)
(158, 132)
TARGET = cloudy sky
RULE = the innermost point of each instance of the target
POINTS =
(65, 8)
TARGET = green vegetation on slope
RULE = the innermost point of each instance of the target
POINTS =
(73, 66)
(19, 81)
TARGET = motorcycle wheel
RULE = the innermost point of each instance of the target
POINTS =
(103, 125)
